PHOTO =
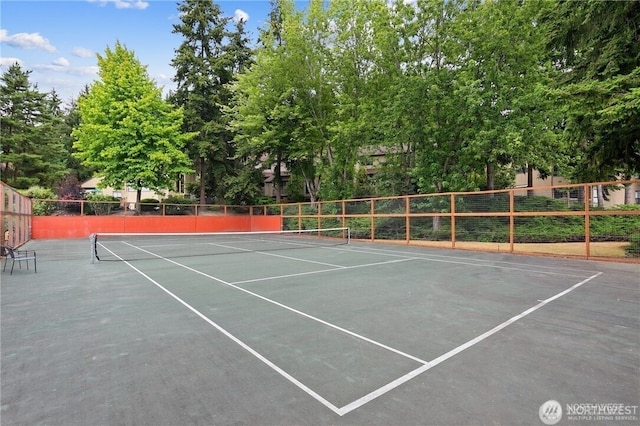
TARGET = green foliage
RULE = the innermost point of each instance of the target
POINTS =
(626, 207)
(206, 64)
(128, 133)
(38, 194)
(31, 130)
(452, 95)
(243, 187)
(534, 229)
(101, 205)
(177, 205)
(149, 205)
(597, 45)
(633, 249)
(539, 204)
(295, 189)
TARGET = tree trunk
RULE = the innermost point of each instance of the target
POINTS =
(628, 194)
(530, 180)
(600, 196)
(491, 174)
(203, 194)
(138, 200)
(436, 221)
(277, 180)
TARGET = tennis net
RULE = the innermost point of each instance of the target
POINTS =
(140, 246)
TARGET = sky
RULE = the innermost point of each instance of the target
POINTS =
(58, 40)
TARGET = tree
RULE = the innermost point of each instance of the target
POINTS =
(422, 126)
(243, 184)
(30, 125)
(127, 132)
(501, 74)
(205, 63)
(262, 114)
(268, 118)
(71, 120)
(597, 45)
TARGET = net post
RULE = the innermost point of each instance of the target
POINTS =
(92, 240)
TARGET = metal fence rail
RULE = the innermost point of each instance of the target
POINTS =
(554, 220)
(562, 220)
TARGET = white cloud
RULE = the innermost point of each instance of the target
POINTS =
(136, 4)
(124, 4)
(61, 62)
(82, 52)
(7, 62)
(240, 15)
(26, 41)
(61, 67)
(161, 77)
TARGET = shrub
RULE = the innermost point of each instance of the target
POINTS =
(101, 205)
(41, 208)
(69, 188)
(633, 249)
(178, 205)
(149, 204)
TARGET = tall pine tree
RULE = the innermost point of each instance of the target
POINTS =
(30, 125)
(205, 63)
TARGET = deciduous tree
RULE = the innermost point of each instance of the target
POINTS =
(127, 132)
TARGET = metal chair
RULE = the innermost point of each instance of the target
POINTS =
(18, 256)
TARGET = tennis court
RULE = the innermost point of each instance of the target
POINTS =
(336, 333)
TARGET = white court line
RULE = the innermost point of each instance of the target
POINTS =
(281, 305)
(442, 358)
(322, 271)
(508, 322)
(277, 255)
(492, 261)
(448, 256)
(380, 391)
(481, 263)
(246, 347)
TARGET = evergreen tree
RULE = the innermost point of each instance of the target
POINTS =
(71, 121)
(30, 126)
(596, 44)
(204, 67)
(243, 183)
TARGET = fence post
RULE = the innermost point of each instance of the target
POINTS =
(587, 219)
(407, 219)
(373, 221)
(453, 220)
(512, 219)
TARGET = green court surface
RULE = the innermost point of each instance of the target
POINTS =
(357, 334)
